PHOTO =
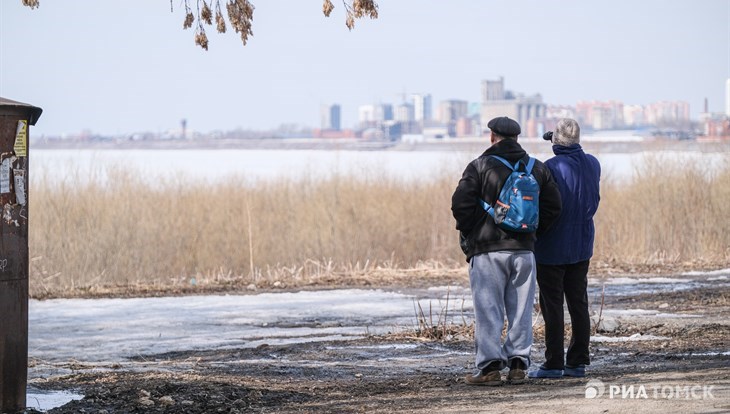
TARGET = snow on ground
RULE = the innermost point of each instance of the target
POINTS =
(46, 400)
(719, 273)
(646, 280)
(114, 329)
(632, 338)
(645, 313)
(110, 329)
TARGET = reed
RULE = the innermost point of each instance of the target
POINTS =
(120, 229)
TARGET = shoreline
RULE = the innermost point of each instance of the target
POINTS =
(474, 144)
(414, 278)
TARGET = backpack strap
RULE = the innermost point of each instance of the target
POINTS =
(528, 167)
(489, 209)
(530, 164)
(505, 162)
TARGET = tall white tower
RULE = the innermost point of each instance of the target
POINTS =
(422, 107)
(727, 97)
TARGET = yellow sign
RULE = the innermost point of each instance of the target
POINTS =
(21, 141)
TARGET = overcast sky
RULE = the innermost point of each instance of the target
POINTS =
(125, 66)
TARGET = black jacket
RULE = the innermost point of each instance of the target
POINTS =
(483, 178)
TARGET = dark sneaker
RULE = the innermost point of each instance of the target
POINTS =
(516, 376)
(543, 372)
(578, 371)
(484, 378)
(517, 371)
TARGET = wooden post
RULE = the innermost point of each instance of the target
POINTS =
(15, 121)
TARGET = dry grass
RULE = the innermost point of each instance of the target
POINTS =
(116, 231)
(119, 230)
(671, 213)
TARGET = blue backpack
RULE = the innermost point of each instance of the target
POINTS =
(517, 208)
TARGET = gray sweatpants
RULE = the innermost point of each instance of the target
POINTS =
(503, 283)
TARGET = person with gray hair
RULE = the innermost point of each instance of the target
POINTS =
(563, 254)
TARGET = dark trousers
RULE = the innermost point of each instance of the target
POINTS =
(570, 281)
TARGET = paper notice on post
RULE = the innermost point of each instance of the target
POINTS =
(21, 139)
(5, 176)
(19, 176)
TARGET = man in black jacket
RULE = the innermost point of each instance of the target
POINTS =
(501, 263)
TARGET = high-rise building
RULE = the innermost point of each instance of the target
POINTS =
(371, 116)
(330, 117)
(366, 115)
(496, 101)
(451, 110)
(422, 107)
(493, 90)
(404, 113)
(600, 115)
(634, 115)
(667, 114)
(727, 97)
(384, 112)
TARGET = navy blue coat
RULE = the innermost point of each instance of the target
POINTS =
(570, 239)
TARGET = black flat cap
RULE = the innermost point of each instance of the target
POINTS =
(504, 126)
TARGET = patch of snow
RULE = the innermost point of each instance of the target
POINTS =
(376, 347)
(453, 288)
(720, 272)
(644, 312)
(629, 312)
(647, 280)
(632, 338)
(114, 329)
(676, 315)
(46, 400)
(725, 353)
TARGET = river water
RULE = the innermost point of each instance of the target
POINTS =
(255, 165)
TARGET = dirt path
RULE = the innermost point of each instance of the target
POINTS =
(673, 361)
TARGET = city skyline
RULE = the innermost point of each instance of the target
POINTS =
(142, 72)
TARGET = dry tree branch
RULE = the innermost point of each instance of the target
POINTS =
(240, 16)
(31, 3)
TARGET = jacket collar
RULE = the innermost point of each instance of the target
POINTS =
(572, 149)
(507, 148)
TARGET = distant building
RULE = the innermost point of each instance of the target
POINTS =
(493, 90)
(727, 98)
(422, 108)
(634, 116)
(331, 133)
(451, 110)
(465, 126)
(716, 128)
(559, 112)
(330, 116)
(475, 109)
(372, 116)
(404, 113)
(436, 131)
(496, 101)
(366, 116)
(384, 112)
(668, 114)
(600, 115)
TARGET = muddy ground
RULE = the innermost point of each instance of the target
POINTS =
(686, 370)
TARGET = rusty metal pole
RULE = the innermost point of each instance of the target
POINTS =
(15, 121)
